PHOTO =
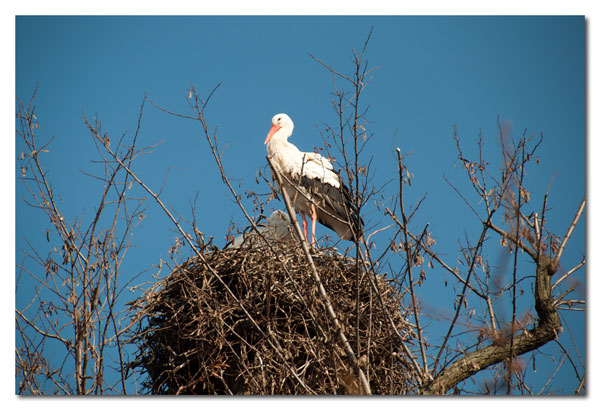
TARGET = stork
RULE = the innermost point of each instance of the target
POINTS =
(311, 183)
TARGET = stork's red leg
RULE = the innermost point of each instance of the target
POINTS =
(305, 226)
(313, 216)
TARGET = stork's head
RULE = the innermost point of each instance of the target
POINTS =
(282, 126)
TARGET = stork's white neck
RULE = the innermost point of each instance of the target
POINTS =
(283, 134)
(280, 139)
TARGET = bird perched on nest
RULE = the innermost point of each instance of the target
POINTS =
(312, 185)
(277, 227)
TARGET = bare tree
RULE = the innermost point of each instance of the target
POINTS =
(390, 249)
(76, 307)
(506, 210)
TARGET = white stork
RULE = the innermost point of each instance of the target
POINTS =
(310, 182)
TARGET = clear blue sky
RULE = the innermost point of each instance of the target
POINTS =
(436, 72)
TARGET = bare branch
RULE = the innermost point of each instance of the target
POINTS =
(569, 233)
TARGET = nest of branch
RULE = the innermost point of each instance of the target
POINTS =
(196, 339)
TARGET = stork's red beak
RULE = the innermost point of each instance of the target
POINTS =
(272, 132)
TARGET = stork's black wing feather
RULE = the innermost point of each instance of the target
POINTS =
(338, 200)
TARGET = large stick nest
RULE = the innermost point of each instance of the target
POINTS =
(198, 340)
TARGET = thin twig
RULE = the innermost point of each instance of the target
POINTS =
(409, 263)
